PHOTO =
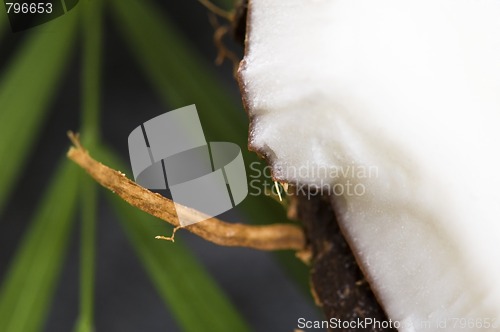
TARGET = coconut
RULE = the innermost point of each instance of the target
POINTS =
(392, 109)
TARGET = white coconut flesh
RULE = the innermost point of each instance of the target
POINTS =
(402, 99)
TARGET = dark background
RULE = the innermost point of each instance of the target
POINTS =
(126, 300)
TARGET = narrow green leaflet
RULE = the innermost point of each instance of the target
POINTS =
(92, 37)
(91, 73)
(27, 291)
(88, 199)
(179, 75)
(91, 20)
(195, 300)
(26, 87)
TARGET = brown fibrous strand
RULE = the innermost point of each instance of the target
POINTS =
(280, 236)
